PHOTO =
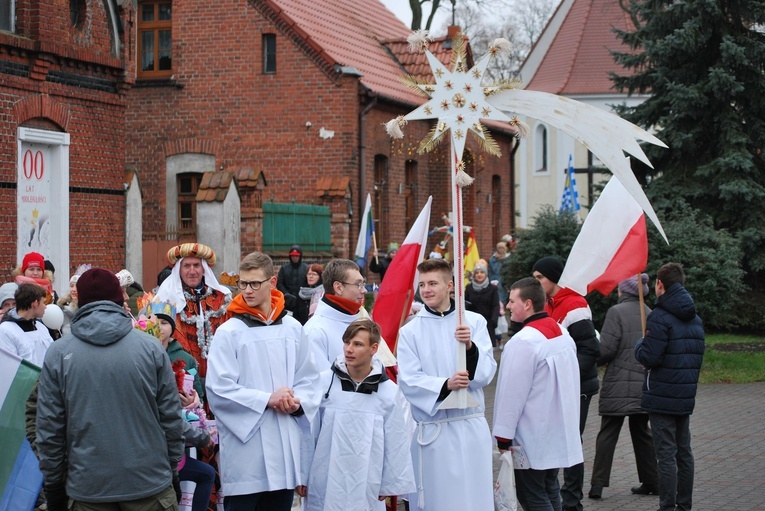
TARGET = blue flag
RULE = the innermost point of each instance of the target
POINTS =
(570, 200)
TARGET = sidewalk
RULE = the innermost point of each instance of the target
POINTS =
(728, 428)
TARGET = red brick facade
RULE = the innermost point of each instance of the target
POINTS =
(62, 76)
(219, 102)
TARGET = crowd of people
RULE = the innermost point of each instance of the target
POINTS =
(282, 384)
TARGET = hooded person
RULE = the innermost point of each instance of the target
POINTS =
(85, 387)
(199, 299)
(293, 275)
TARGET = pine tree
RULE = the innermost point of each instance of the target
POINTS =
(703, 64)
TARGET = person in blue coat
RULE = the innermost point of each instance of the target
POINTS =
(671, 352)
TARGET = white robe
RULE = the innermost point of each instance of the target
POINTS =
(260, 447)
(324, 331)
(31, 346)
(362, 448)
(537, 401)
(454, 468)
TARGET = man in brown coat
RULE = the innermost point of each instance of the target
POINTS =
(621, 391)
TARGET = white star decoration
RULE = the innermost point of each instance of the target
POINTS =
(457, 98)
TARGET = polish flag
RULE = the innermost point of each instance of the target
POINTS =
(612, 245)
(397, 288)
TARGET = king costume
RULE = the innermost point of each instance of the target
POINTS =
(250, 358)
(362, 442)
(452, 449)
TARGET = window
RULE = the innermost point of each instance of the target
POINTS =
(496, 204)
(410, 193)
(380, 200)
(269, 54)
(188, 184)
(77, 12)
(540, 149)
(7, 15)
(154, 39)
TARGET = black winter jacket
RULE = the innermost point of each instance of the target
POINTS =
(671, 351)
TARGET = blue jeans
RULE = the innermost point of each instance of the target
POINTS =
(279, 500)
(672, 443)
(202, 474)
(538, 490)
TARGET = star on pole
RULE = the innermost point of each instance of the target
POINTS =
(457, 99)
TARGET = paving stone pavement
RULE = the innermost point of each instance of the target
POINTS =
(728, 442)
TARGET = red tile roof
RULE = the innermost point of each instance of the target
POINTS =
(578, 60)
(355, 34)
(328, 187)
(214, 186)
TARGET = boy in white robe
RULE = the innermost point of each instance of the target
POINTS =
(262, 386)
(452, 449)
(362, 448)
(536, 404)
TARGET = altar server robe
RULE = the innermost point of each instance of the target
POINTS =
(248, 361)
(362, 444)
(452, 449)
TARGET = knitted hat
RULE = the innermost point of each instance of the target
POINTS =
(98, 284)
(551, 267)
(8, 291)
(629, 286)
(481, 265)
(392, 247)
(125, 278)
(33, 259)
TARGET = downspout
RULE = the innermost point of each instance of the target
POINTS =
(363, 149)
(512, 184)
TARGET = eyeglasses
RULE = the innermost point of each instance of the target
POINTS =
(255, 284)
(360, 285)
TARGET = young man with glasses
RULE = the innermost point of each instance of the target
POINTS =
(344, 290)
(262, 386)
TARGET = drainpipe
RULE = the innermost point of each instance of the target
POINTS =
(512, 184)
(363, 149)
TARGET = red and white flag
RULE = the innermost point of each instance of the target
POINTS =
(612, 245)
(397, 288)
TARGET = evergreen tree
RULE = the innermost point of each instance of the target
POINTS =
(703, 64)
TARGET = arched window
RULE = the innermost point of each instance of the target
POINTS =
(496, 204)
(410, 193)
(540, 149)
(380, 198)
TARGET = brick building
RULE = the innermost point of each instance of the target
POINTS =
(279, 104)
(64, 69)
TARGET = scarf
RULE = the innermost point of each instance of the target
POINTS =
(343, 304)
(479, 287)
(239, 306)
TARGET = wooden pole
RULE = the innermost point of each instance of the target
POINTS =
(642, 302)
(374, 246)
(460, 398)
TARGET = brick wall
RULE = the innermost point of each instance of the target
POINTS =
(64, 78)
(220, 93)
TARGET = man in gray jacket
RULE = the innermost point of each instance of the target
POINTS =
(109, 428)
(621, 391)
